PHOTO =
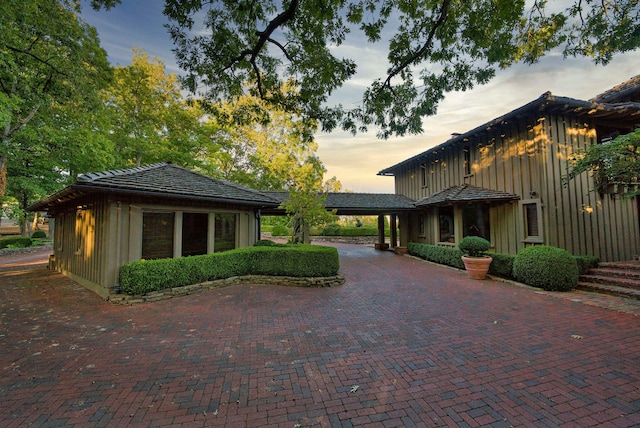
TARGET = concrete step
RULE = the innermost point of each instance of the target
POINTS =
(633, 283)
(617, 273)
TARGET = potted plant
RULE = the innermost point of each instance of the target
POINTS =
(476, 262)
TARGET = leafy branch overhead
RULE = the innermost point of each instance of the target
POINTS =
(434, 47)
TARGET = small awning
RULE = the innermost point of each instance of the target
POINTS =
(465, 193)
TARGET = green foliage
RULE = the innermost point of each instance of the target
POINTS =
(502, 265)
(359, 231)
(332, 229)
(291, 260)
(443, 255)
(585, 263)
(543, 266)
(15, 243)
(615, 162)
(39, 234)
(280, 230)
(268, 243)
(433, 48)
(474, 246)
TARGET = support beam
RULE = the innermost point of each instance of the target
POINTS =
(381, 245)
(394, 234)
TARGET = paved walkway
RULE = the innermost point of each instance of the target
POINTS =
(401, 343)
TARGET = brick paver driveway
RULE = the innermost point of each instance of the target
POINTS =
(402, 343)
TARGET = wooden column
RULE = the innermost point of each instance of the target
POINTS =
(394, 237)
(381, 244)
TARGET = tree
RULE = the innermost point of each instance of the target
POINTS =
(612, 163)
(434, 47)
(49, 59)
(149, 120)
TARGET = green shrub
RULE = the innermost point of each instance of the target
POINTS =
(502, 265)
(268, 243)
(358, 231)
(332, 229)
(38, 234)
(444, 255)
(474, 246)
(15, 242)
(283, 260)
(546, 267)
(585, 263)
(280, 230)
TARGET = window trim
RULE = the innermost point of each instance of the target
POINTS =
(538, 239)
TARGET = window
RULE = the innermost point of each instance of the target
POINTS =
(445, 215)
(421, 219)
(532, 220)
(157, 235)
(423, 175)
(195, 228)
(467, 160)
(225, 233)
(475, 221)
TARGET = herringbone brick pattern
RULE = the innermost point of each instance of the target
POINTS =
(402, 343)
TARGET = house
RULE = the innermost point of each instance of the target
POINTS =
(107, 219)
(504, 180)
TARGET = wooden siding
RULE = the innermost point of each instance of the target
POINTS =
(93, 240)
(529, 157)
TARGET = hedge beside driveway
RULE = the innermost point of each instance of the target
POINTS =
(147, 276)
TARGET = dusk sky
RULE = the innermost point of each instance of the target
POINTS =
(356, 160)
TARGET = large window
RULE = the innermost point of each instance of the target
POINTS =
(225, 233)
(157, 235)
(195, 228)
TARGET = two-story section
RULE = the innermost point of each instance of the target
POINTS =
(506, 180)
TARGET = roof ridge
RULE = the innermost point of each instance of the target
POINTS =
(92, 176)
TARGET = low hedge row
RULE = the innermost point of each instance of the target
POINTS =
(16, 243)
(503, 264)
(145, 276)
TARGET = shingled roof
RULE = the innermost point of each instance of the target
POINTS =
(358, 203)
(624, 92)
(158, 180)
(465, 193)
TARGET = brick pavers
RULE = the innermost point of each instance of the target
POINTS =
(402, 343)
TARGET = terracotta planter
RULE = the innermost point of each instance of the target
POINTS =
(477, 267)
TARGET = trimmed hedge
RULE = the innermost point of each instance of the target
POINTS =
(474, 246)
(145, 276)
(280, 230)
(15, 243)
(39, 234)
(444, 255)
(332, 229)
(585, 263)
(502, 264)
(546, 267)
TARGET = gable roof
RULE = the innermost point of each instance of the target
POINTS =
(628, 112)
(157, 180)
(465, 193)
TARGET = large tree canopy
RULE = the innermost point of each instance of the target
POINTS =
(434, 47)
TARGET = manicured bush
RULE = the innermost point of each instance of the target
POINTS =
(474, 246)
(38, 234)
(444, 255)
(145, 276)
(585, 263)
(280, 230)
(359, 231)
(502, 265)
(332, 229)
(546, 267)
(18, 242)
(268, 243)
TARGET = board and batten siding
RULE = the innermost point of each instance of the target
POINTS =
(529, 157)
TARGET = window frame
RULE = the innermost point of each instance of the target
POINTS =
(526, 238)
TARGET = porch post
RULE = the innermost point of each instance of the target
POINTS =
(394, 237)
(381, 244)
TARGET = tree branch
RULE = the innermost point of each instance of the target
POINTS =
(426, 46)
(37, 58)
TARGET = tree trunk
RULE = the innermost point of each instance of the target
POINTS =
(3, 175)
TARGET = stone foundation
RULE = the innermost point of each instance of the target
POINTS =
(328, 281)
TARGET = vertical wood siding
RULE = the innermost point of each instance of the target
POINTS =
(529, 157)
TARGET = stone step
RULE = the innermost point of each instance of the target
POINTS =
(633, 265)
(618, 273)
(633, 283)
(613, 290)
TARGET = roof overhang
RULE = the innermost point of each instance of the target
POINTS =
(466, 194)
